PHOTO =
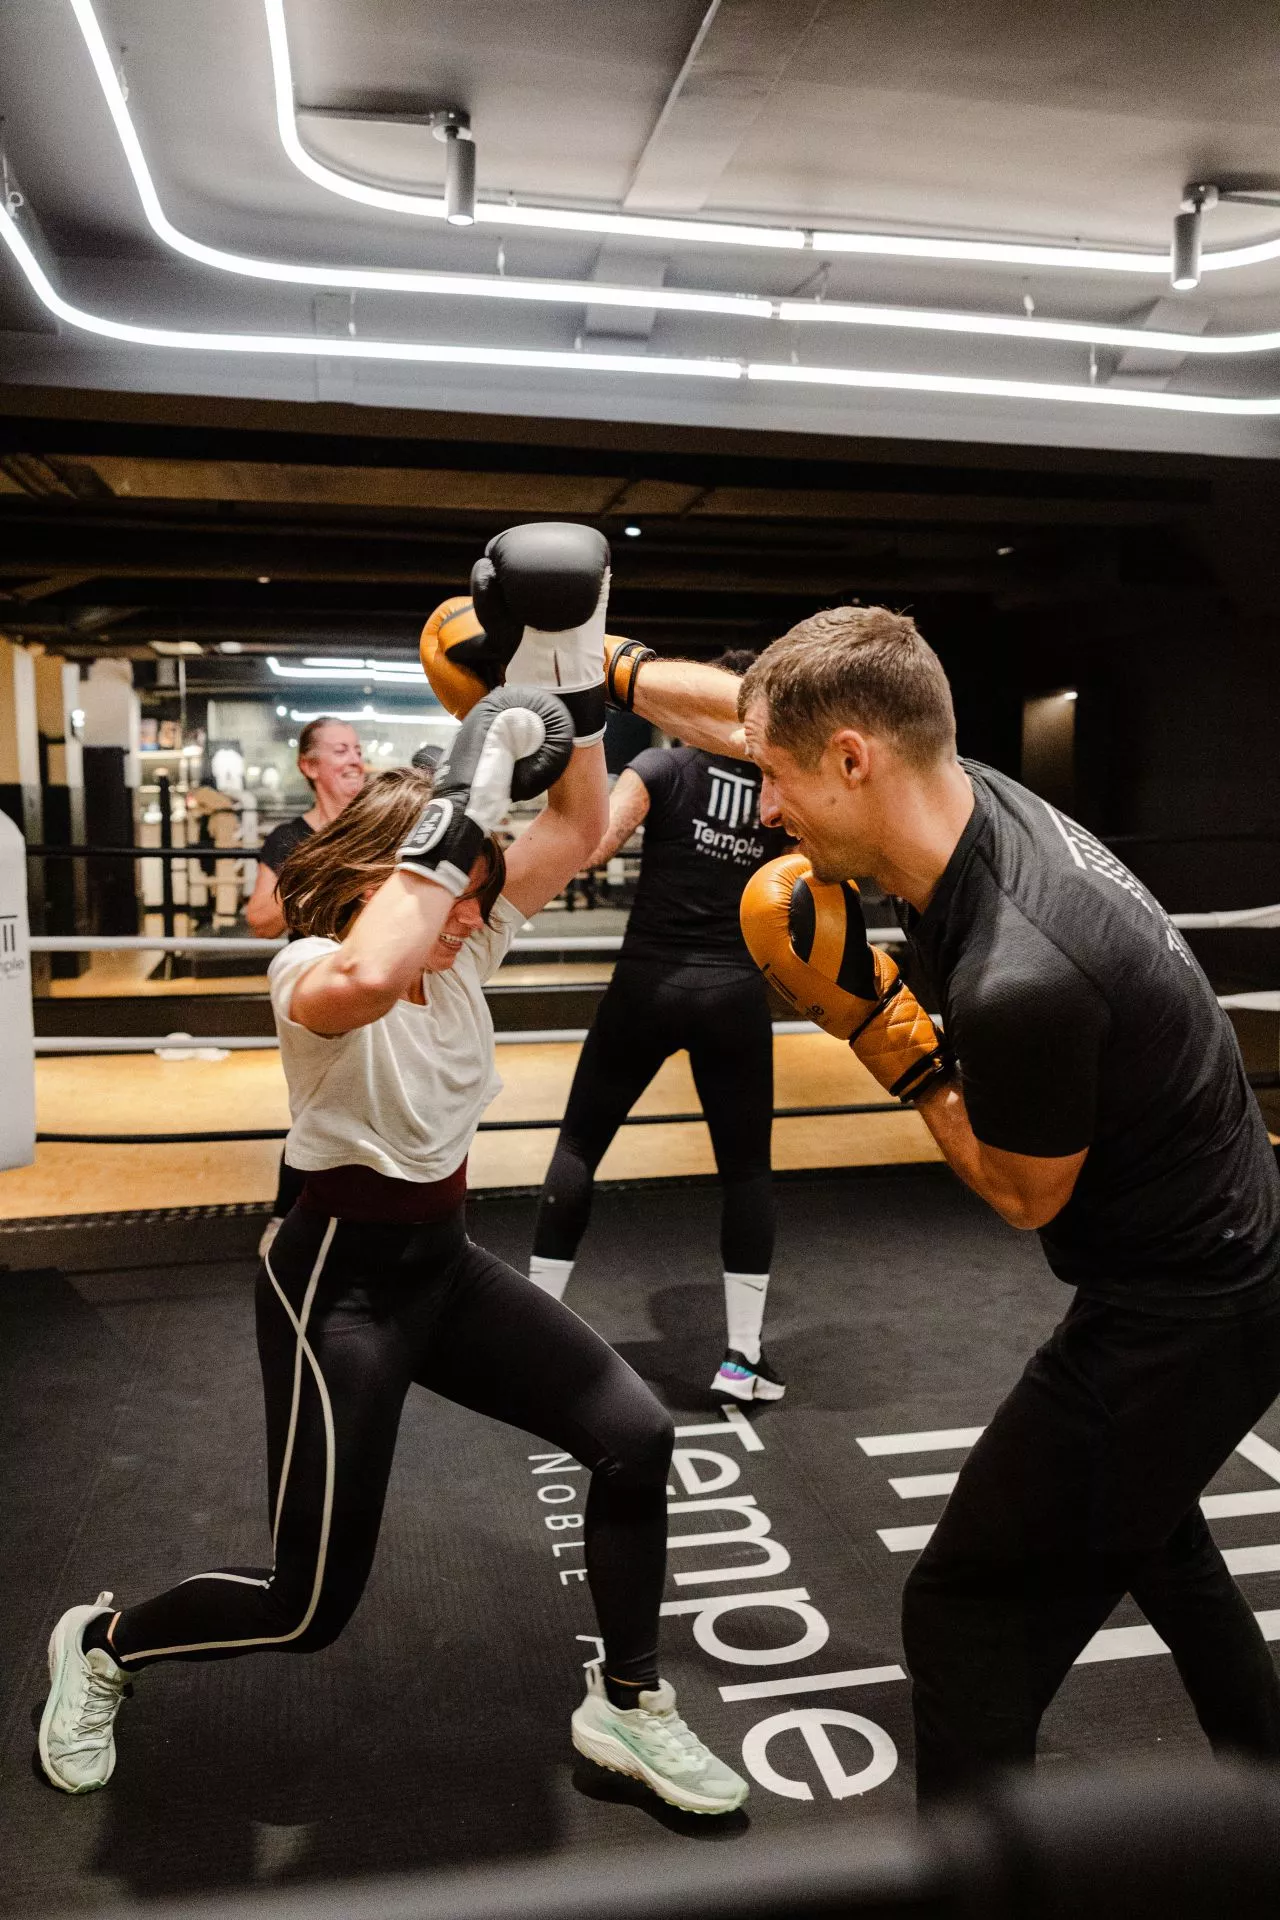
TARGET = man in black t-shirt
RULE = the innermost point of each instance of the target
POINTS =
(684, 979)
(1089, 1087)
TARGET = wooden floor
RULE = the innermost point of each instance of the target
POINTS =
(138, 1093)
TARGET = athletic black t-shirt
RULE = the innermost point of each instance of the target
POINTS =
(282, 841)
(702, 843)
(1080, 1019)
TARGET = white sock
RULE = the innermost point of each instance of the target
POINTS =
(744, 1297)
(551, 1275)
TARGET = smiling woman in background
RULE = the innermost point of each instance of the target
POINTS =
(331, 761)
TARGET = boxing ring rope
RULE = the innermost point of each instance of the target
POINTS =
(192, 1045)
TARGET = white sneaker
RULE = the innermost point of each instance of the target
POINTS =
(742, 1379)
(77, 1745)
(269, 1233)
(652, 1743)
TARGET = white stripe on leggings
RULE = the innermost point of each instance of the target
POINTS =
(303, 1347)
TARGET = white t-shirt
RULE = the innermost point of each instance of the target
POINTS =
(405, 1094)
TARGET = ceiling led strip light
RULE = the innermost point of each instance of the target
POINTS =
(421, 352)
(583, 293)
(1002, 253)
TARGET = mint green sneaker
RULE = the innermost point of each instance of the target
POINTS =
(77, 1744)
(652, 1743)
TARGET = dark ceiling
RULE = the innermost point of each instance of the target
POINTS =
(126, 521)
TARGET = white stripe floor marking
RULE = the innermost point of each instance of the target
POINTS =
(919, 1486)
(905, 1539)
(1252, 1559)
(811, 1683)
(1261, 1453)
(734, 1420)
(936, 1442)
(1230, 1506)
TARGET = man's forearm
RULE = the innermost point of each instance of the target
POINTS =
(1025, 1190)
(696, 703)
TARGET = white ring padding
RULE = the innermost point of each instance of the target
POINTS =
(1259, 917)
(1241, 917)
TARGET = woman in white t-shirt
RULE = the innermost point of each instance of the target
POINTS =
(402, 908)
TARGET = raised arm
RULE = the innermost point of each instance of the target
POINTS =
(378, 962)
(559, 843)
(696, 703)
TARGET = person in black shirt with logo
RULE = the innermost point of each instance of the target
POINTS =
(684, 980)
(1089, 1087)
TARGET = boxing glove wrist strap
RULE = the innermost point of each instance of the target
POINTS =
(586, 707)
(623, 671)
(444, 846)
(900, 1046)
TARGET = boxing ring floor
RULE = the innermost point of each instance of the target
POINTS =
(435, 1732)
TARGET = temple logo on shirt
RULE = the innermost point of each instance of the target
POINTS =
(1089, 853)
(734, 799)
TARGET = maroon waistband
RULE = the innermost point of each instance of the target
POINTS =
(361, 1193)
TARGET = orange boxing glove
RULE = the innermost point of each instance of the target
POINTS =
(457, 658)
(809, 940)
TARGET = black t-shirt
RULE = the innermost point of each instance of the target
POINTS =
(702, 843)
(282, 841)
(1080, 1019)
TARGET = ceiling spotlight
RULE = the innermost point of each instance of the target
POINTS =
(1004, 552)
(632, 533)
(1070, 694)
(1184, 270)
(230, 646)
(264, 579)
(281, 711)
(454, 128)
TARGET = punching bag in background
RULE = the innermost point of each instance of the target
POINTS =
(17, 1045)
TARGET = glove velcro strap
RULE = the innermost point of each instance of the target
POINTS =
(623, 671)
(586, 708)
(899, 1044)
(444, 846)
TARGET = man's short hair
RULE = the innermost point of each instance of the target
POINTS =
(853, 667)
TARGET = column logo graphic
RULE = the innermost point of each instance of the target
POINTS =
(735, 799)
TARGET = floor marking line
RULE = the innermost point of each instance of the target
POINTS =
(929, 1442)
(1230, 1506)
(905, 1539)
(1252, 1559)
(811, 1683)
(922, 1486)
(734, 1422)
(1262, 1454)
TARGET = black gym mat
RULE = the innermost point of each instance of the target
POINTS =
(436, 1731)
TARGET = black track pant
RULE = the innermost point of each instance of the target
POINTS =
(1086, 1487)
(289, 1186)
(649, 1012)
(350, 1316)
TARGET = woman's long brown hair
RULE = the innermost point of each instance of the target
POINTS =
(323, 883)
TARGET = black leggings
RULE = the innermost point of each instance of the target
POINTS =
(647, 1013)
(349, 1317)
(1086, 1487)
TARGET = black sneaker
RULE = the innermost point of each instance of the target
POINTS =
(743, 1379)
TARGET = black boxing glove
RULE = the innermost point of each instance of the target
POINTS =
(511, 746)
(540, 595)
